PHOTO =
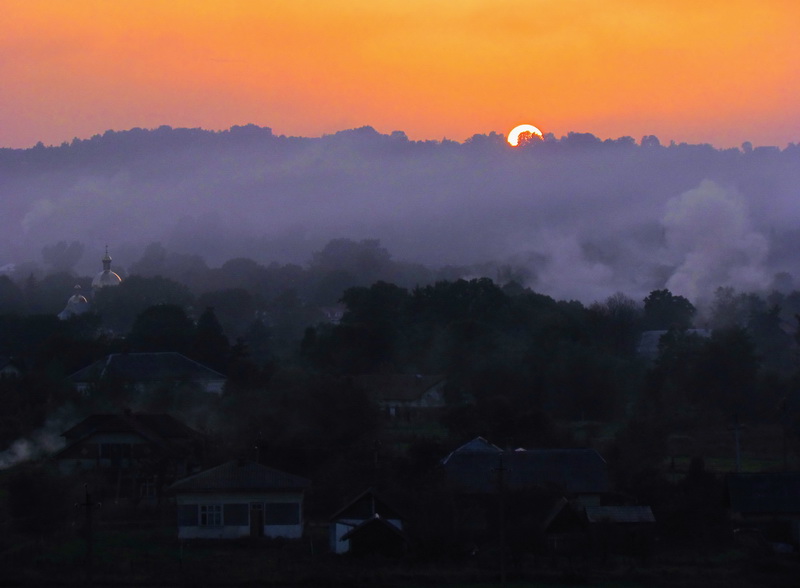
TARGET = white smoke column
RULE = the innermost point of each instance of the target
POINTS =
(43, 441)
(567, 274)
(710, 237)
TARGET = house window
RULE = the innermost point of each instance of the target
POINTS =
(210, 515)
(115, 451)
(147, 489)
(282, 513)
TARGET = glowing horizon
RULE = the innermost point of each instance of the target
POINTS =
(718, 72)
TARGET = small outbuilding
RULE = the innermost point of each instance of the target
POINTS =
(376, 536)
(366, 515)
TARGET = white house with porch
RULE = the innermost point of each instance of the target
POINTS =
(240, 499)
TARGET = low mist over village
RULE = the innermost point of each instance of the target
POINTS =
(235, 357)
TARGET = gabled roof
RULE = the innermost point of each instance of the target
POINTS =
(765, 493)
(146, 367)
(148, 425)
(474, 468)
(160, 429)
(397, 387)
(374, 522)
(477, 445)
(620, 514)
(239, 476)
(366, 505)
(560, 516)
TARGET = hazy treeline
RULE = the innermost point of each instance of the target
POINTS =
(508, 352)
(581, 218)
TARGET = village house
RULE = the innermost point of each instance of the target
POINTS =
(238, 499)
(575, 531)
(406, 396)
(478, 467)
(136, 455)
(479, 473)
(150, 372)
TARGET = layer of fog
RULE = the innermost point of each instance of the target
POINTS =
(577, 217)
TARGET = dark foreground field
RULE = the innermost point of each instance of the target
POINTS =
(153, 557)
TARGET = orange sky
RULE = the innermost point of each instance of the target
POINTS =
(712, 71)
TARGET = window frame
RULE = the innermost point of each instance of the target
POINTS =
(210, 515)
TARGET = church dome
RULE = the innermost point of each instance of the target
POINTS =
(106, 277)
(76, 304)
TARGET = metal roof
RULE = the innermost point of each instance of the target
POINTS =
(239, 476)
(620, 514)
(146, 367)
(474, 468)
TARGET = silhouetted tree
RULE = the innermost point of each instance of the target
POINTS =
(120, 305)
(664, 310)
(164, 327)
(210, 346)
(11, 298)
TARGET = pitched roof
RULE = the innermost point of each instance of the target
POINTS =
(620, 514)
(374, 522)
(473, 468)
(366, 505)
(240, 476)
(160, 429)
(146, 367)
(397, 387)
(148, 425)
(765, 493)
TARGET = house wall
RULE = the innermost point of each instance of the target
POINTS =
(341, 527)
(236, 507)
(88, 454)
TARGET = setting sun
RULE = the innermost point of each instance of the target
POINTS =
(513, 136)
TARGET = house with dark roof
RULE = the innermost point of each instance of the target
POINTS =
(368, 513)
(238, 499)
(572, 530)
(406, 396)
(150, 371)
(476, 467)
(137, 454)
(478, 475)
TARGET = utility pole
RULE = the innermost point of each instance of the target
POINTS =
(88, 506)
(736, 428)
(501, 491)
(784, 408)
